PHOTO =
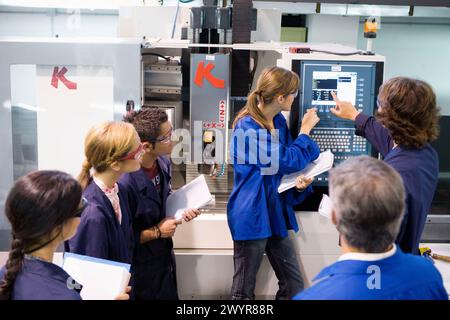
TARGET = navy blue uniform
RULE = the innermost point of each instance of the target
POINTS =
(41, 280)
(99, 234)
(402, 277)
(419, 169)
(153, 267)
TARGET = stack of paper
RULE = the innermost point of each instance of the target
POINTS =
(101, 279)
(195, 195)
(322, 164)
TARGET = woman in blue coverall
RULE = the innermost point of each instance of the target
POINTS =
(263, 151)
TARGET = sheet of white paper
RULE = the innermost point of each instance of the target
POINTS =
(101, 279)
(322, 164)
(195, 194)
(325, 206)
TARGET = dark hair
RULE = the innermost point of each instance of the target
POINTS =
(147, 122)
(409, 111)
(37, 204)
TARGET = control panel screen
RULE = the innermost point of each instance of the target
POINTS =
(352, 81)
(324, 82)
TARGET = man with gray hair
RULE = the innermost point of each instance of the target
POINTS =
(368, 204)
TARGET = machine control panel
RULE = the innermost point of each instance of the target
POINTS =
(352, 81)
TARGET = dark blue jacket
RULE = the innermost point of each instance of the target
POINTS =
(419, 169)
(255, 208)
(99, 234)
(153, 266)
(40, 280)
(401, 277)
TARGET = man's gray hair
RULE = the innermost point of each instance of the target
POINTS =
(368, 198)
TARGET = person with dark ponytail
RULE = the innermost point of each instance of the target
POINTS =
(44, 209)
(262, 151)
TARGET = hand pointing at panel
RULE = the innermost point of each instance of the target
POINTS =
(344, 109)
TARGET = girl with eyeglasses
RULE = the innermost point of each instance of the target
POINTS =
(105, 231)
(153, 267)
(44, 209)
(258, 216)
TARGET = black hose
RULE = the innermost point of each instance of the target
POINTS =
(338, 53)
(156, 54)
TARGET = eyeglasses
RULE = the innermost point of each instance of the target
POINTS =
(136, 154)
(295, 94)
(164, 139)
(81, 207)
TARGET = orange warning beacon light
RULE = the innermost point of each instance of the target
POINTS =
(370, 32)
(370, 28)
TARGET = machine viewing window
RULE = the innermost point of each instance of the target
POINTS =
(353, 81)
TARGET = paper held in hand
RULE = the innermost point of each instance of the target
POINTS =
(195, 195)
(325, 206)
(322, 164)
(101, 279)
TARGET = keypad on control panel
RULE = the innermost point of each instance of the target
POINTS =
(339, 141)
